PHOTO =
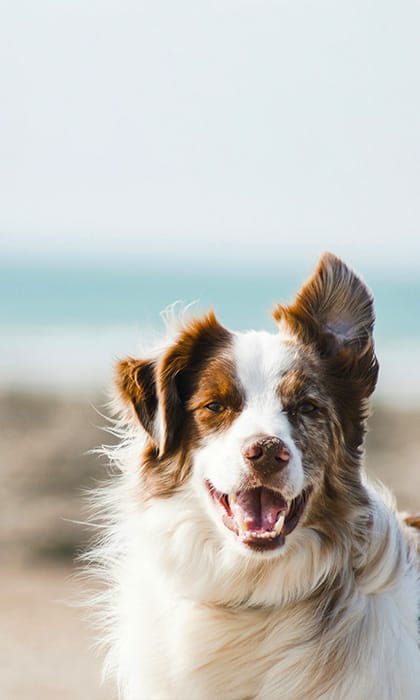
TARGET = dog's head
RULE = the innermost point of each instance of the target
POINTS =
(268, 428)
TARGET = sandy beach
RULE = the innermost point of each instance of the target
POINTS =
(47, 645)
(45, 472)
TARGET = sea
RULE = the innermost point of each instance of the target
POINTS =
(64, 324)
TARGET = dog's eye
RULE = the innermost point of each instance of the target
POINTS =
(307, 407)
(215, 407)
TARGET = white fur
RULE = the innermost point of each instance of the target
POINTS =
(191, 616)
(260, 360)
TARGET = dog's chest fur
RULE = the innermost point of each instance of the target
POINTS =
(185, 648)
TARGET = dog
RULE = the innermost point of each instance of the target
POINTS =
(246, 555)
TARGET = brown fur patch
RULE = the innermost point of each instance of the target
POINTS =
(330, 462)
(179, 371)
(413, 520)
(203, 343)
(334, 311)
(333, 315)
(217, 384)
(135, 382)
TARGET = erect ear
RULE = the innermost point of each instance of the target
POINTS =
(159, 389)
(334, 310)
(136, 383)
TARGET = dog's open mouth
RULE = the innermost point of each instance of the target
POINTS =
(260, 517)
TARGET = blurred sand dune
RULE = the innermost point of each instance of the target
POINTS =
(46, 645)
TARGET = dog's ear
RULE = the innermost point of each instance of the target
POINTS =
(135, 380)
(334, 310)
(178, 371)
(159, 389)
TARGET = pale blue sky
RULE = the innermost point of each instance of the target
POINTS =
(225, 130)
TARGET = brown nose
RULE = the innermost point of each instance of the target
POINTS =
(267, 455)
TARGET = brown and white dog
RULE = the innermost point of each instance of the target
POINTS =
(246, 554)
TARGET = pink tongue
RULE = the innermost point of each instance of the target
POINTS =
(257, 509)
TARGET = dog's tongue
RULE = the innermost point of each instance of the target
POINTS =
(257, 509)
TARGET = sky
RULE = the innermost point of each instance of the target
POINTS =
(224, 132)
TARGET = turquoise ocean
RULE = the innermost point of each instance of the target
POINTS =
(63, 325)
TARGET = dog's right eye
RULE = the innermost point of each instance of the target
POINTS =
(215, 407)
(307, 407)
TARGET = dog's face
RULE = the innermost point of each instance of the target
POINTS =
(266, 428)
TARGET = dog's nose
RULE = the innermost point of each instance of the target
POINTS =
(267, 454)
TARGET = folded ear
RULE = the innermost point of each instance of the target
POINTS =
(159, 389)
(136, 383)
(334, 311)
(178, 372)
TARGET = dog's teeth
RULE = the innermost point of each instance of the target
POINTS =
(279, 524)
(271, 535)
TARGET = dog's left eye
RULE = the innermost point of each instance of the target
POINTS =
(216, 407)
